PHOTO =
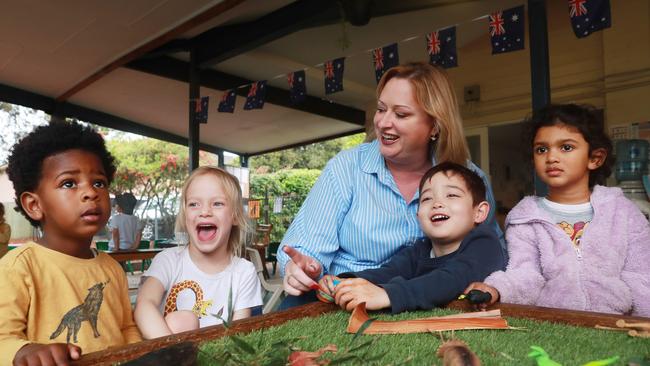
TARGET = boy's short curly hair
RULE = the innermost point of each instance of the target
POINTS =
(26, 159)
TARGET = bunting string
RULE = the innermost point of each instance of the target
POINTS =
(506, 29)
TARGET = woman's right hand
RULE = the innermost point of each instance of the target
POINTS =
(300, 273)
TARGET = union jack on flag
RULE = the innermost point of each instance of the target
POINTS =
(227, 103)
(333, 71)
(441, 47)
(496, 24)
(577, 8)
(507, 30)
(384, 58)
(200, 107)
(256, 95)
(588, 16)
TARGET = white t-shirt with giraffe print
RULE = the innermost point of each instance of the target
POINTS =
(203, 293)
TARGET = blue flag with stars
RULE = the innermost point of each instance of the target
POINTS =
(333, 71)
(384, 58)
(256, 95)
(227, 103)
(588, 16)
(441, 47)
(507, 30)
(200, 107)
(297, 86)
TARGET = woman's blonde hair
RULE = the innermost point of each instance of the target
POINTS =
(233, 193)
(436, 95)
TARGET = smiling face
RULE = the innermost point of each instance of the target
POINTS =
(71, 201)
(447, 212)
(208, 216)
(563, 161)
(402, 126)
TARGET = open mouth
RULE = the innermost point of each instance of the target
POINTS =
(91, 215)
(389, 137)
(206, 232)
(439, 218)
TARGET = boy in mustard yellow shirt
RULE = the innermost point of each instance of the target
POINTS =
(59, 296)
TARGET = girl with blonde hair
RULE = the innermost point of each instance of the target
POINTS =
(207, 276)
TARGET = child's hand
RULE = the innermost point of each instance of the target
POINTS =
(327, 288)
(351, 292)
(485, 288)
(36, 354)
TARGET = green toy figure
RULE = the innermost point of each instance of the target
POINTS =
(543, 359)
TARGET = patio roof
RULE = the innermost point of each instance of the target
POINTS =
(125, 64)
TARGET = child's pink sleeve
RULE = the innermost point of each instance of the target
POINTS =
(522, 281)
(636, 271)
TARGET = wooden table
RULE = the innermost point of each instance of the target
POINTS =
(136, 350)
(133, 255)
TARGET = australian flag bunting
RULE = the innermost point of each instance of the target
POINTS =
(256, 95)
(200, 109)
(441, 47)
(227, 103)
(384, 58)
(333, 71)
(588, 16)
(507, 30)
(297, 86)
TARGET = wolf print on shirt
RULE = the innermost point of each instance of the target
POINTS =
(88, 310)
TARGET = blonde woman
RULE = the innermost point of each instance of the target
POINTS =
(5, 232)
(363, 208)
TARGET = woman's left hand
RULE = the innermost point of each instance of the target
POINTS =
(351, 292)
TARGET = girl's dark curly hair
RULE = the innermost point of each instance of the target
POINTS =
(27, 156)
(587, 121)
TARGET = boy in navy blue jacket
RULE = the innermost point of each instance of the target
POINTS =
(435, 270)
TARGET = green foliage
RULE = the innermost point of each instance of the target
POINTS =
(313, 156)
(16, 122)
(292, 185)
(154, 171)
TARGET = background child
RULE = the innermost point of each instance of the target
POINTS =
(60, 291)
(436, 269)
(125, 228)
(196, 279)
(584, 246)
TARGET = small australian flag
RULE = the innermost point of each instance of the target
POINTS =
(200, 107)
(441, 47)
(227, 103)
(256, 95)
(588, 16)
(297, 86)
(384, 58)
(333, 71)
(507, 30)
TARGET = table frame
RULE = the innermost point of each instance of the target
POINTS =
(133, 255)
(133, 351)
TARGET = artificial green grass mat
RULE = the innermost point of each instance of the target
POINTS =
(567, 345)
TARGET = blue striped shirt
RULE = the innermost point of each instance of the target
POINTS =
(355, 217)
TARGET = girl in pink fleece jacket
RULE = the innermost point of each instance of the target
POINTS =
(583, 246)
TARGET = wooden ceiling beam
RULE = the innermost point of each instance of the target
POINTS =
(142, 50)
(223, 43)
